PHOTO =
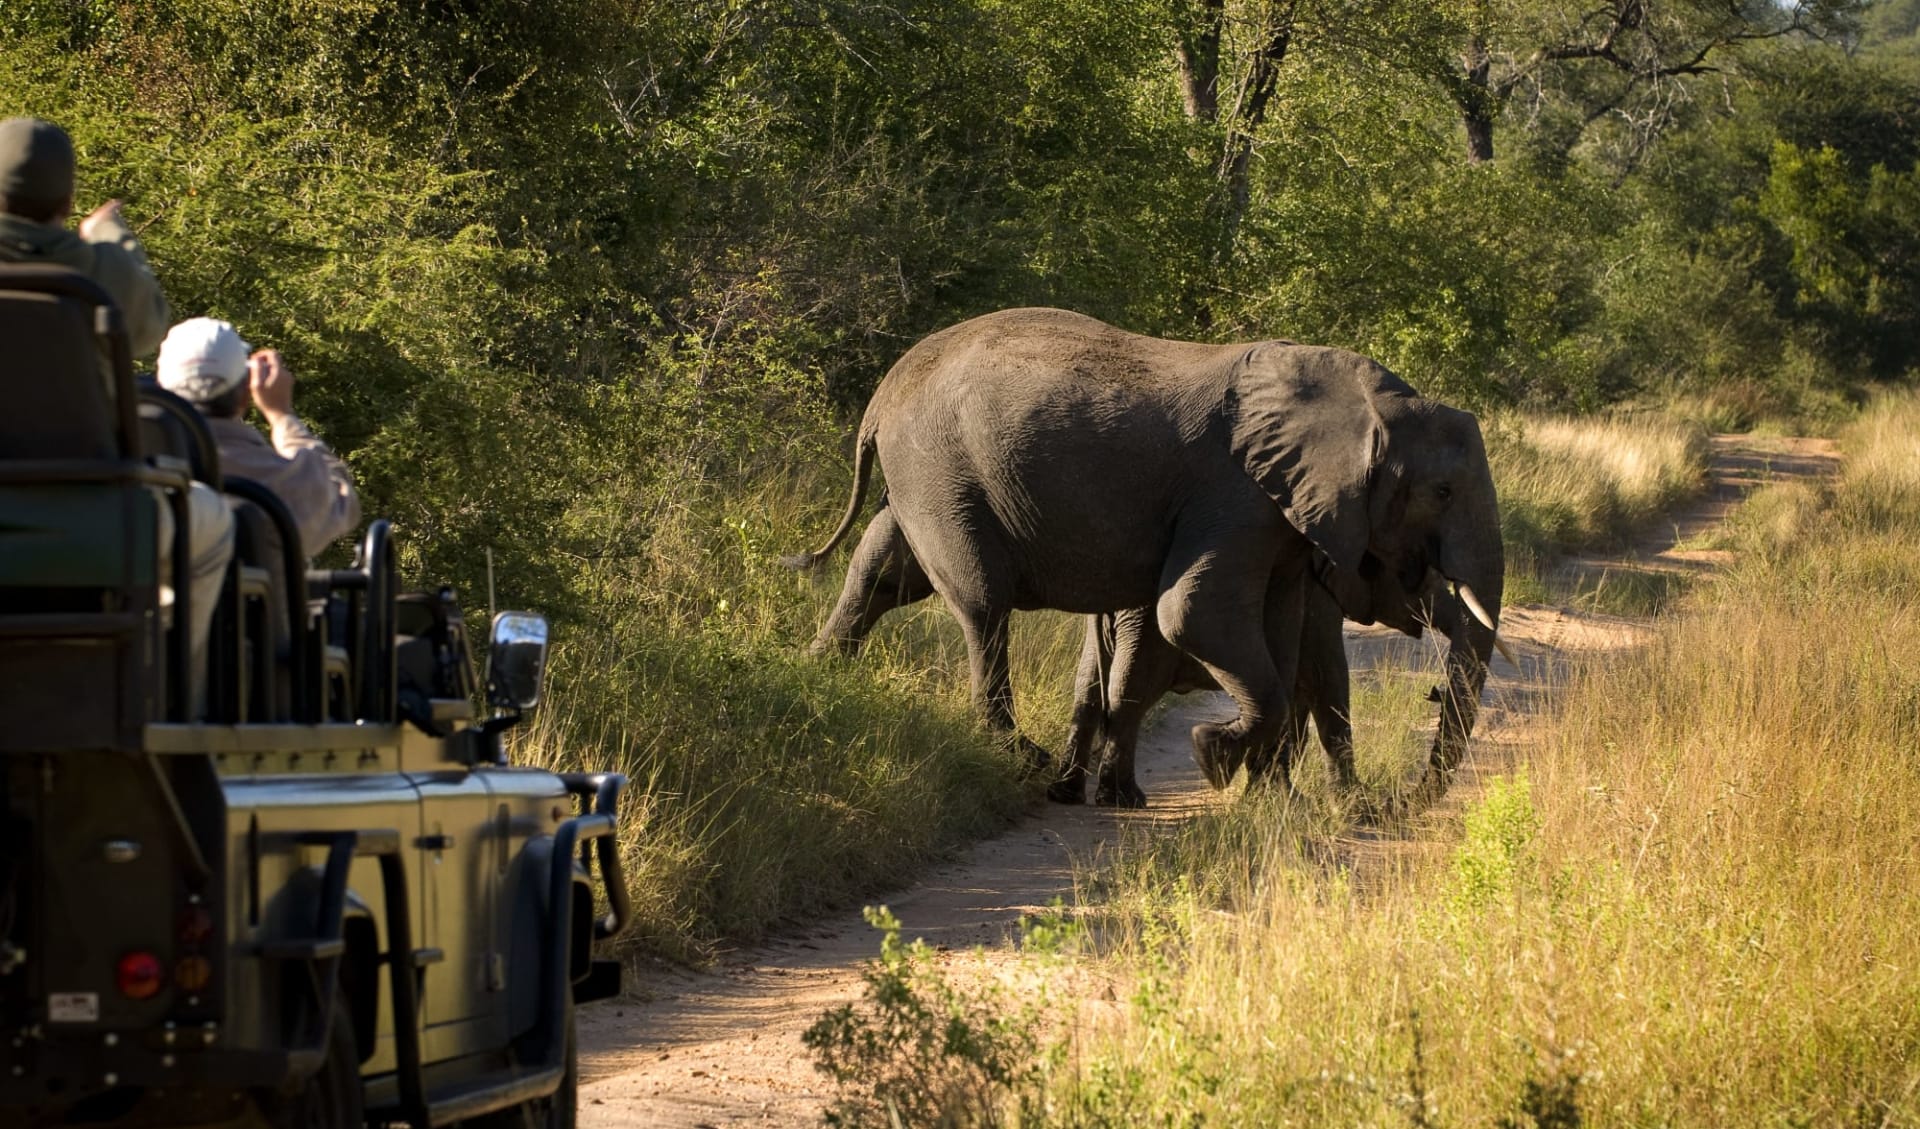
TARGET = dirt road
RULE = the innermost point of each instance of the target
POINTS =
(723, 1048)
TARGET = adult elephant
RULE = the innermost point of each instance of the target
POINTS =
(1038, 458)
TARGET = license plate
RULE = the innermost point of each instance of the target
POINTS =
(73, 1007)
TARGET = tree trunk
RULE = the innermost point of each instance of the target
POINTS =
(1199, 53)
(1479, 125)
(1476, 101)
(1263, 77)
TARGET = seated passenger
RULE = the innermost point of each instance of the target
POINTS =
(36, 199)
(204, 361)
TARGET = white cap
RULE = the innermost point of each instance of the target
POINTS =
(202, 359)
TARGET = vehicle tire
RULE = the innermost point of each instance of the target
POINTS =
(332, 1098)
(556, 1110)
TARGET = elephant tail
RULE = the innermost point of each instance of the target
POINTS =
(862, 466)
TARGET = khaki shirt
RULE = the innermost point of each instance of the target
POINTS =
(302, 471)
(117, 263)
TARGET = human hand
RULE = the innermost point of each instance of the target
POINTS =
(102, 216)
(271, 383)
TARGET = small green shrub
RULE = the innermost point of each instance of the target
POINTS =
(1497, 847)
(922, 1050)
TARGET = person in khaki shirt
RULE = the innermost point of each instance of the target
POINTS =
(204, 361)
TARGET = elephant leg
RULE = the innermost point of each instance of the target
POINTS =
(986, 631)
(1206, 611)
(882, 576)
(986, 634)
(1265, 762)
(1323, 685)
(1086, 732)
(1145, 667)
(1119, 786)
(967, 560)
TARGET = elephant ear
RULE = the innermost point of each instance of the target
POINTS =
(1306, 426)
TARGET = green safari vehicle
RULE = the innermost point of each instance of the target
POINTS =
(299, 886)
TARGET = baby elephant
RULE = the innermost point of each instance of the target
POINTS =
(1125, 654)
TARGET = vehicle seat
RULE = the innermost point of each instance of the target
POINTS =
(174, 433)
(78, 526)
(60, 405)
(266, 539)
(432, 672)
(173, 428)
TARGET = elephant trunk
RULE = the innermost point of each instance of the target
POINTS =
(1480, 578)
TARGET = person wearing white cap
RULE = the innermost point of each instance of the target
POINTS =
(204, 361)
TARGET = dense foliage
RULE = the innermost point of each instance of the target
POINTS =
(594, 286)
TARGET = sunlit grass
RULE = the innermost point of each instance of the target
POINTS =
(1586, 483)
(1574, 483)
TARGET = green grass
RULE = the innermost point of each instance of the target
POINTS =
(1625, 590)
(1781, 407)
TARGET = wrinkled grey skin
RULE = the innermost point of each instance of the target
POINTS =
(1140, 667)
(1040, 459)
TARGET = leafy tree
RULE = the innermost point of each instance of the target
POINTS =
(1628, 61)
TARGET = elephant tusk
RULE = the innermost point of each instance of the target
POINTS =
(1500, 645)
(1473, 605)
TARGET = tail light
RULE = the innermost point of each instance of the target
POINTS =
(192, 974)
(141, 975)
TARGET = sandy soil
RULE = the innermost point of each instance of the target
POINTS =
(723, 1047)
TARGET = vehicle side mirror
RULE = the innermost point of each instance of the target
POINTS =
(517, 660)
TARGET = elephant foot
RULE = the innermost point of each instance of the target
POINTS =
(1034, 759)
(1272, 785)
(1263, 781)
(824, 645)
(1423, 795)
(1369, 810)
(1113, 794)
(1069, 789)
(1218, 753)
(1267, 764)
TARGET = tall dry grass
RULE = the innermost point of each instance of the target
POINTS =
(1568, 484)
(1697, 904)
(1581, 482)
